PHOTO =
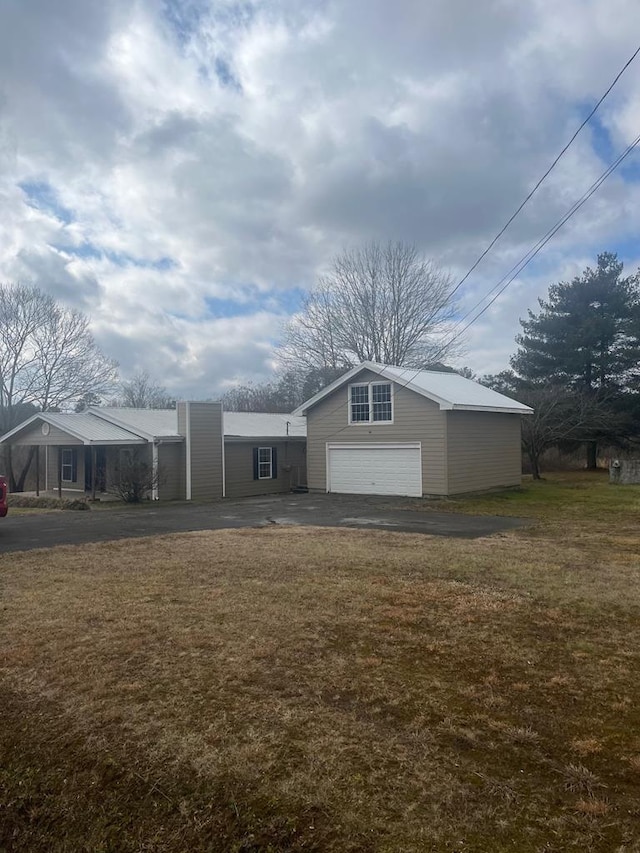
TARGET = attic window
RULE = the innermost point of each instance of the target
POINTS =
(370, 402)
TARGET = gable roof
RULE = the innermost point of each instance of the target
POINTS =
(449, 390)
(83, 426)
(111, 425)
(147, 423)
(263, 425)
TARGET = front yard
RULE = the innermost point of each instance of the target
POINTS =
(331, 690)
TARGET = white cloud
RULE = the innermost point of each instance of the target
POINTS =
(205, 159)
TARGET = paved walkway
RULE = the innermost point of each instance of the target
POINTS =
(43, 530)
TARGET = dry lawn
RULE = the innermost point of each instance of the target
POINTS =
(310, 689)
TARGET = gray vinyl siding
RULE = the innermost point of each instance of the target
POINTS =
(171, 461)
(414, 419)
(34, 435)
(52, 469)
(205, 432)
(238, 462)
(484, 450)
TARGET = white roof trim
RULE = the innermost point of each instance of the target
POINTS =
(43, 416)
(341, 380)
(39, 416)
(443, 403)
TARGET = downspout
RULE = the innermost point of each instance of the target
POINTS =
(187, 413)
(224, 472)
(94, 473)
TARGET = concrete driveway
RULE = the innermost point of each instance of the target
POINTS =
(43, 530)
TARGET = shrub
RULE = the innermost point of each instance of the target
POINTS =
(31, 501)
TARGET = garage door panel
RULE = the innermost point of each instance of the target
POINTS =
(374, 469)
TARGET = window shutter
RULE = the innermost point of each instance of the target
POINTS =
(274, 463)
(74, 465)
(256, 475)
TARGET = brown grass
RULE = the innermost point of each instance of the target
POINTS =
(328, 690)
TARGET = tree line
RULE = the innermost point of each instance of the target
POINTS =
(578, 365)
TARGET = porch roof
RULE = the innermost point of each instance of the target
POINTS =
(83, 426)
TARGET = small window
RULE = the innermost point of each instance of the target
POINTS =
(359, 403)
(370, 403)
(69, 465)
(381, 401)
(264, 463)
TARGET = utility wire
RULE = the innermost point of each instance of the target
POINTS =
(507, 279)
(542, 242)
(546, 174)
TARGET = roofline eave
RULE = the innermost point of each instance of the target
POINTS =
(254, 438)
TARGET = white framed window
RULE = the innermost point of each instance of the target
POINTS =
(370, 403)
(265, 463)
(68, 465)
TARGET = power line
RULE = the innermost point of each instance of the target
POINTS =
(507, 279)
(546, 174)
(518, 267)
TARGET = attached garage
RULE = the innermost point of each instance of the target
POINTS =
(374, 469)
(383, 430)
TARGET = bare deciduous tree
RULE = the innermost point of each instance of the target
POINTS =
(382, 303)
(48, 359)
(141, 392)
(562, 415)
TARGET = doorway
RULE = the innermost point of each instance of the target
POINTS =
(101, 468)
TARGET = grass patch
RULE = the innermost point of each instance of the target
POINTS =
(328, 690)
(567, 496)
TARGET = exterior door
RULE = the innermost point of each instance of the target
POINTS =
(101, 469)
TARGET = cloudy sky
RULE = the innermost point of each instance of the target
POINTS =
(182, 170)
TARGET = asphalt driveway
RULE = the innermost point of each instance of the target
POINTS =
(44, 530)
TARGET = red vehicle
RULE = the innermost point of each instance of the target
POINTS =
(3, 496)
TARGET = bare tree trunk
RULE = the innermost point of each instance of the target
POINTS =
(19, 482)
(592, 455)
(534, 459)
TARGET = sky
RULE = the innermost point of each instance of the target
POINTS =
(184, 170)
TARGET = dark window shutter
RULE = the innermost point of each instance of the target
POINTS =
(256, 475)
(274, 463)
(74, 465)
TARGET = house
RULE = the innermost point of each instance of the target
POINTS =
(381, 430)
(264, 453)
(198, 451)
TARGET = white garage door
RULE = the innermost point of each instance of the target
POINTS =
(374, 469)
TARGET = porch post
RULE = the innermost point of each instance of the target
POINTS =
(59, 472)
(38, 470)
(94, 457)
